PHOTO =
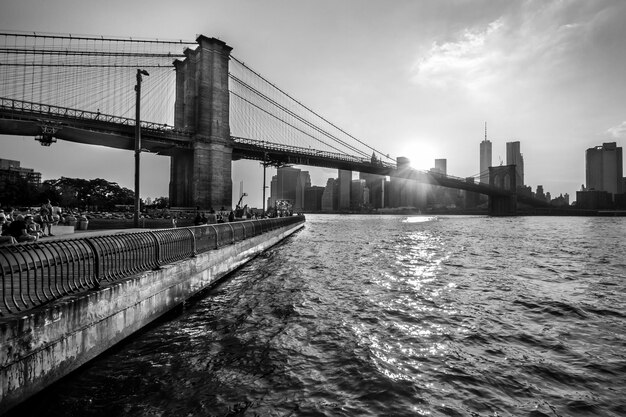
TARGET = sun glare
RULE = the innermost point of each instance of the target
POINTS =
(421, 154)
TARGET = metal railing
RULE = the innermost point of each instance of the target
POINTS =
(36, 273)
(270, 146)
(20, 109)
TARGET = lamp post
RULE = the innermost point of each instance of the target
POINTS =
(140, 72)
(264, 186)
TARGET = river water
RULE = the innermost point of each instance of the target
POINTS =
(386, 316)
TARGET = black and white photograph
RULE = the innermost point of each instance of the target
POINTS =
(312, 208)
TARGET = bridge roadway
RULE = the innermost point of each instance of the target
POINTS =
(48, 122)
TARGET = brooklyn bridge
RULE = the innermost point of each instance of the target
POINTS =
(203, 108)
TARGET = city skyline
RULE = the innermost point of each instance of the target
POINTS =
(545, 74)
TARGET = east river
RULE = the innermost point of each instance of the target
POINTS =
(386, 316)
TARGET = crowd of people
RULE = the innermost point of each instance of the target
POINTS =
(223, 216)
(17, 227)
(30, 225)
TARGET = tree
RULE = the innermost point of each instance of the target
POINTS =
(161, 202)
(81, 193)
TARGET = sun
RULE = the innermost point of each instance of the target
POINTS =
(421, 152)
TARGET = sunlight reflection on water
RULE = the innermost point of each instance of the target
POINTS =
(419, 219)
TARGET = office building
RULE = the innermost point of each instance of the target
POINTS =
(539, 193)
(344, 184)
(313, 198)
(376, 185)
(329, 196)
(515, 157)
(289, 185)
(604, 168)
(10, 169)
(12, 173)
(302, 183)
(359, 194)
(441, 166)
(485, 159)
(286, 185)
(400, 187)
(271, 201)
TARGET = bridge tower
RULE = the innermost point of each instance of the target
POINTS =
(503, 177)
(201, 176)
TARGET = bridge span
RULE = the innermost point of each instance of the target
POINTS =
(202, 147)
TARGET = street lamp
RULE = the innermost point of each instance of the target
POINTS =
(140, 72)
(264, 186)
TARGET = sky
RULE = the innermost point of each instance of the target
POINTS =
(413, 78)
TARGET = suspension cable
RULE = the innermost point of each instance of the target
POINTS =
(308, 109)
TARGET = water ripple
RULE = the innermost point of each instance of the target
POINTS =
(387, 316)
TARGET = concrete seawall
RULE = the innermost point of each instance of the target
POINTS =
(49, 342)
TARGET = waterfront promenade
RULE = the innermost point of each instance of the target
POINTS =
(66, 300)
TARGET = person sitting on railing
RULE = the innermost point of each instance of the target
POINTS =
(5, 237)
(17, 229)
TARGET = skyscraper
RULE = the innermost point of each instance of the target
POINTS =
(359, 194)
(376, 185)
(273, 191)
(288, 185)
(604, 170)
(514, 157)
(345, 184)
(441, 166)
(329, 195)
(485, 158)
(303, 182)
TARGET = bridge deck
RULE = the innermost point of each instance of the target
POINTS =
(45, 121)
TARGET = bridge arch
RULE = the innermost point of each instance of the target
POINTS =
(503, 177)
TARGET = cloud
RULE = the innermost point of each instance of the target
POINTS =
(618, 131)
(467, 60)
(535, 46)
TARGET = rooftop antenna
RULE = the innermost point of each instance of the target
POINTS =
(485, 131)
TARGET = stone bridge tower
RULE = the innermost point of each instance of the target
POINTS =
(201, 176)
(503, 177)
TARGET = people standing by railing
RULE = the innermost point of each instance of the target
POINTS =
(46, 218)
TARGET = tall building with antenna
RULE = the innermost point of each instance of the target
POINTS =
(485, 158)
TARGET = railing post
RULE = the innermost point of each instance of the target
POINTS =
(157, 251)
(232, 232)
(96, 263)
(217, 240)
(194, 246)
